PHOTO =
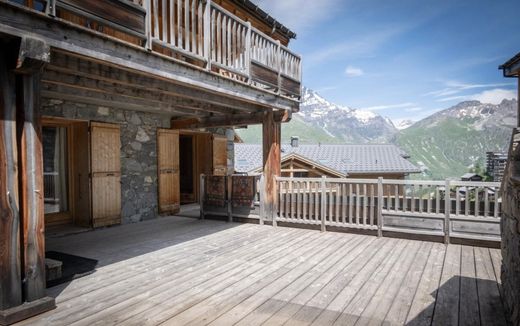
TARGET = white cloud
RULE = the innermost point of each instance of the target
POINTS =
(389, 106)
(299, 15)
(455, 87)
(354, 72)
(413, 109)
(492, 96)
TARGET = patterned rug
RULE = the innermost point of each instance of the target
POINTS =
(243, 191)
(215, 191)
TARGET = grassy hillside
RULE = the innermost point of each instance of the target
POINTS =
(449, 147)
(296, 127)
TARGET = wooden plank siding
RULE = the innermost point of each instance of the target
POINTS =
(180, 271)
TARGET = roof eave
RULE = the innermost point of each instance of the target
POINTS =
(511, 68)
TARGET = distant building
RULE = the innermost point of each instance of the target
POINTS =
(336, 161)
(471, 177)
(496, 164)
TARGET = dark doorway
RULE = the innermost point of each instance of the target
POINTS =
(186, 164)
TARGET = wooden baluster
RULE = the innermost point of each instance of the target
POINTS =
(219, 38)
(437, 200)
(358, 205)
(171, 24)
(305, 201)
(457, 201)
(187, 25)
(429, 189)
(371, 205)
(323, 203)
(413, 199)
(466, 203)
(396, 198)
(447, 212)
(200, 30)
(281, 200)
(477, 202)
(193, 30)
(249, 51)
(486, 202)
(228, 44)
(164, 18)
(380, 207)
(405, 199)
(350, 203)
(497, 197)
(331, 198)
(298, 201)
(343, 203)
(419, 190)
(365, 207)
(292, 198)
(155, 18)
(209, 32)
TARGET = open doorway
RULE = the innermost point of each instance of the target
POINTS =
(65, 148)
(187, 168)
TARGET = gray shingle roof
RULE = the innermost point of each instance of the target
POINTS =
(366, 158)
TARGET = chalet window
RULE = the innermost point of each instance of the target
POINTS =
(55, 170)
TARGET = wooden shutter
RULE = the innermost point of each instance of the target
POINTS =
(106, 173)
(168, 170)
(219, 155)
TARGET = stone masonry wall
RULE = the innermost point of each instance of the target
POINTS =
(510, 229)
(138, 151)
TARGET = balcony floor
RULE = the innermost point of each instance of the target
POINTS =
(179, 270)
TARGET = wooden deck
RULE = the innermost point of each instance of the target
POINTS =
(178, 271)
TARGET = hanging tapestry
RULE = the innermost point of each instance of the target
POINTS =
(215, 191)
(243, 191)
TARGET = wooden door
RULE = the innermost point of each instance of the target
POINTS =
(219, 155)
(105, 173)
(168, 170)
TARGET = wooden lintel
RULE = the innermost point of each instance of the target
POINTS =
(228, 120)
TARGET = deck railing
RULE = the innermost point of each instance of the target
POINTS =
(466, 210)
(222, 42)
(195, 31)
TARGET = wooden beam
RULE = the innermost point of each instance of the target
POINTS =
(94, 97)
(228, 120)
(271, 137)
(67, 64)
(132, 93)
(10, 270)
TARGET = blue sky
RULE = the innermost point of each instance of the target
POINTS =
(403, 59)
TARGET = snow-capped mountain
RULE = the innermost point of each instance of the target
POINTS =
(403, 124)
(342, 122)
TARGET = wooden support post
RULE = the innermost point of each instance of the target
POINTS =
(323, 211)
(447, 212)
(272, 159)
(202, 195)
(10, 271)
(380, 207)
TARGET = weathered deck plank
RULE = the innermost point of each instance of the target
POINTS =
(178, 271)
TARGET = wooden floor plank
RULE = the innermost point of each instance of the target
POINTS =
(469, 307)
(292, 267)
(355, 308)
(423, 302)
(491, 308)
(316, 278)
(448, 295)
(339, 292)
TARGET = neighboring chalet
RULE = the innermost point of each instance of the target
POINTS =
(111, 109)
(367, 161)
(471, 177)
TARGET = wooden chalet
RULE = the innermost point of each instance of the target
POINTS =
(110, 111)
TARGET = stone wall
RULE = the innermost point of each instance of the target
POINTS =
(138, 151)
(510, 229)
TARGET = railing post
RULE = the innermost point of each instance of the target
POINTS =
(201, 197)
(148, 23)
(262, 199)
(207, 34)
(447, 211)
(248, 52)
(229, 190)
(323, 210)
(380, 207)
(279, 61)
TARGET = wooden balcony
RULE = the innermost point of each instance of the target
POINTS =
(196, 32)
(180, 271)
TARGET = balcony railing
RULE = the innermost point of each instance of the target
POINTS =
(195, 31)
(448, 209)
